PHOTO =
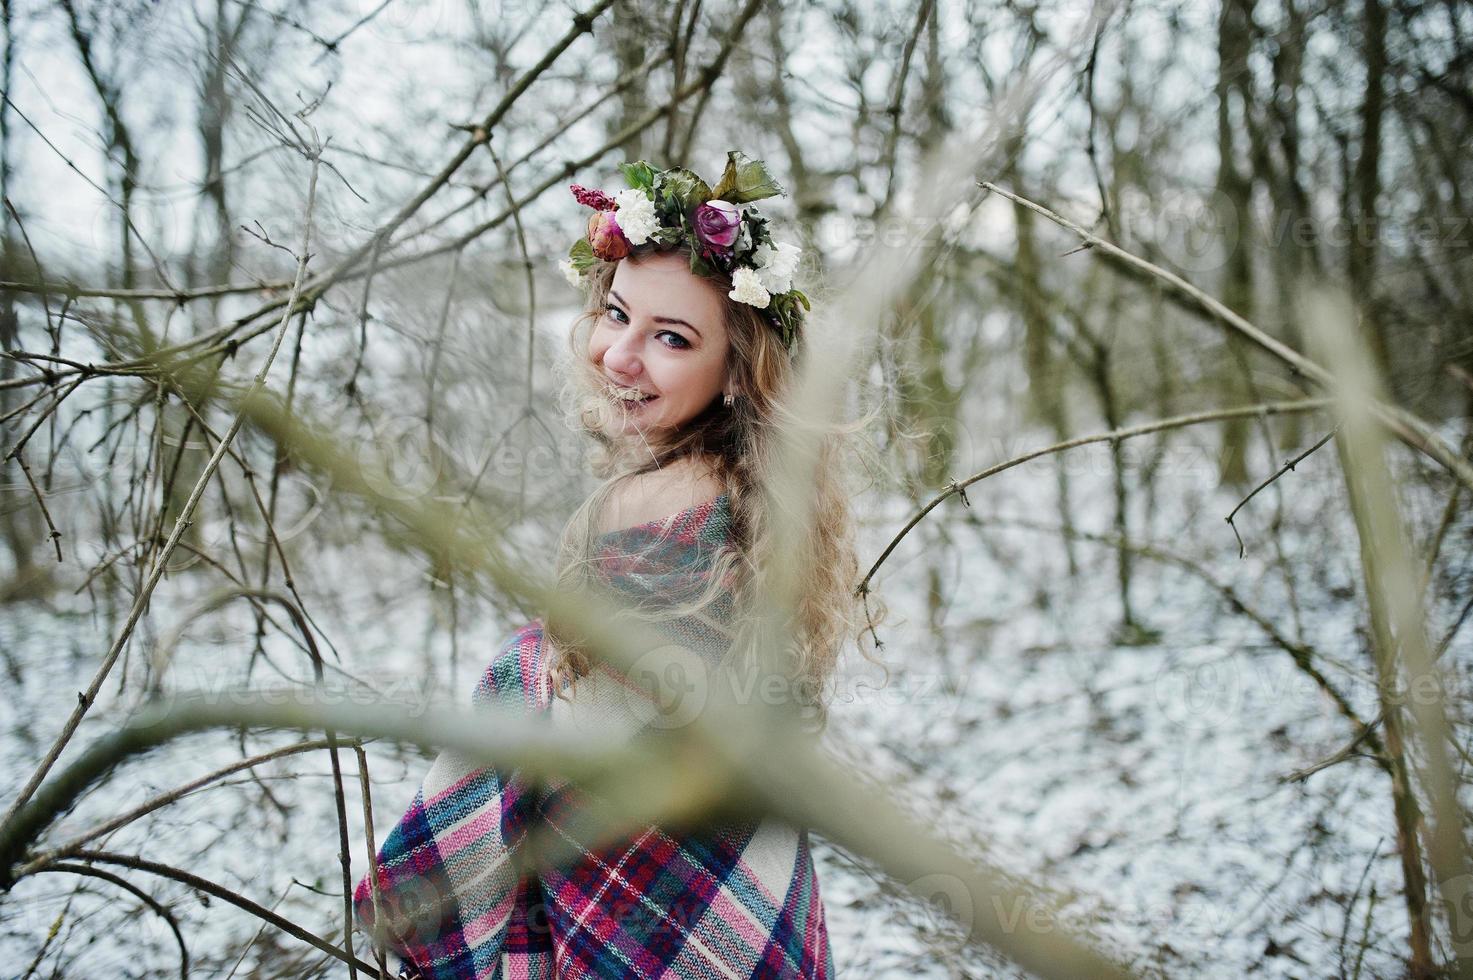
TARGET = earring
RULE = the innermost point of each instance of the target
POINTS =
(727, 399)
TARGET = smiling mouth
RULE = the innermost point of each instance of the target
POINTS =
(631, 397)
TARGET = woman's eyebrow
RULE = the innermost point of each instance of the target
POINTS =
(657, 319)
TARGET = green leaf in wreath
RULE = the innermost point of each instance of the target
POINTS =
(639, 174)
(699, 266)
(686, 188)
(667, 210)
(743, 246)
(745, 180)
(581, 255)
(758, 226)
(787, 325)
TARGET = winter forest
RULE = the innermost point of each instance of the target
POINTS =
(1157, 316)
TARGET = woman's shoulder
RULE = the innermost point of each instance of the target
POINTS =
(640, 498)
(514, 676)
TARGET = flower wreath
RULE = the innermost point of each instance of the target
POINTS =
(664, 207)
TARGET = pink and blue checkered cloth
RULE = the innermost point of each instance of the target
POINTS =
(737, 901)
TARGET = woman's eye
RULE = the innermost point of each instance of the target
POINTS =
(669, 338)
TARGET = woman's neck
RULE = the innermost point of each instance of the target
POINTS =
(657, 492)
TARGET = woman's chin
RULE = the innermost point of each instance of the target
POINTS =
(642, 432)
(632, 424)
(639, 419)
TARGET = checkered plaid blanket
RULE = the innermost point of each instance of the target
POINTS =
(737, 901)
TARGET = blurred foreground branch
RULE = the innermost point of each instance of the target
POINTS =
(789, 779)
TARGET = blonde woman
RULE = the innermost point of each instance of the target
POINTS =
(680, 370)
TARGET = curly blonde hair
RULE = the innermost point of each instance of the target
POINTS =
(738, 444)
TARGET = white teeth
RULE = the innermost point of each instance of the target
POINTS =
(630, 394)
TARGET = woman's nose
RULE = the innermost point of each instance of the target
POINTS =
(622, 355)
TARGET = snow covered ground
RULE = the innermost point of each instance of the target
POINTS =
(1142, 784)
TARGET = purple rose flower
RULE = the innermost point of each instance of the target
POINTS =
(717, 223)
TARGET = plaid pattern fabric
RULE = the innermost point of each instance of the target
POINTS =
(736, 901)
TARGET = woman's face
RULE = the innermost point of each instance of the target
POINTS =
(661, 340)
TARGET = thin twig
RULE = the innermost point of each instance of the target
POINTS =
(76, 844)
(52, 532)
(186, 513)
(897, 96)
(50, 937)
(54, 331)
(221, 892)
(1336, 757)
(1176, 422)
(140, 894)
(1242, 552)
(528, 267)
(373, 872)
(1350, 906)
(1406, 426)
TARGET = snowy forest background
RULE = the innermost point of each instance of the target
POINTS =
(1211, 746)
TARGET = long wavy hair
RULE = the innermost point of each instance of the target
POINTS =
(738, 443)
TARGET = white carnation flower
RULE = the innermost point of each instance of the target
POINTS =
(635, 215)
(747, 288)
(776, 264)
(570, 272)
